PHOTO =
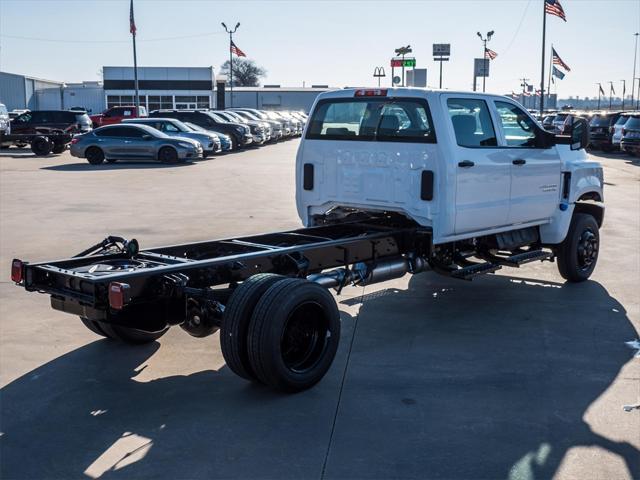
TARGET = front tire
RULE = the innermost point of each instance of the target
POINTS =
(167, 155)
(577, 255)
(94, 155)
(41, 146)
(293, 335)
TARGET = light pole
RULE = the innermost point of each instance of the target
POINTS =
(624, 90)
(484, 55)
(633, 82)
(231, 32)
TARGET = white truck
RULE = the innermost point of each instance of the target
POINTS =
(389, 182)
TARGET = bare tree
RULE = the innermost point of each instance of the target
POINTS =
(246, 73)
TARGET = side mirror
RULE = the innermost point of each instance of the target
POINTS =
(545, 139)
(146, 136)
(579, 134)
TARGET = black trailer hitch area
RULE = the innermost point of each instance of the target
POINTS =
(120, 244)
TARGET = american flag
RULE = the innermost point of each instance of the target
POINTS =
(538, 92)
(490, 54)
(601, 89)
(236, 51)
(553, 7)
(558, 61)
(132, 22)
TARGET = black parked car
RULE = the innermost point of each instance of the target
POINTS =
(51, 121)
(601, 130)
(240, 134)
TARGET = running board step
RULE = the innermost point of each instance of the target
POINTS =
(467, 273)
(522, 258)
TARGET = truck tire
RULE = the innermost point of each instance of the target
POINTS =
(94, 155)
(59, 147)
(293, 335)
(578, 253)
(123, 334)
(167, 155)
(235, 324)
(41, 146)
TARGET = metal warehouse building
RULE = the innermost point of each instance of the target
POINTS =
(274, 98)
(21, 91)
(160, 87)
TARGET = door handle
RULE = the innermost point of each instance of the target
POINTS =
(466, 164)
(519, 161)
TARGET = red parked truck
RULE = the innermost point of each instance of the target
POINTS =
(117, 114)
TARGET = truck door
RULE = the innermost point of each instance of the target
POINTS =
(535, 171)
(482, 172)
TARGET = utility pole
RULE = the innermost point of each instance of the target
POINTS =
(484, 55)
(231, 32)
(524, 85)
(633, 82)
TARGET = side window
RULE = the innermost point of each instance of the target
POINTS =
(132, 132)
(519, 129)
(472, 122)
(169, 127)
(24, 118)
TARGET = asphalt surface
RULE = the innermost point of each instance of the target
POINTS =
(512, 376)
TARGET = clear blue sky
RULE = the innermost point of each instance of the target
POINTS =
(323, 42)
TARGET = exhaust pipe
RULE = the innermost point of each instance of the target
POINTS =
(371, 272)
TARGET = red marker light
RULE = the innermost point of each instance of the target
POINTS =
(118, 295)
(74, 140)
(375, 92)
(17, 269)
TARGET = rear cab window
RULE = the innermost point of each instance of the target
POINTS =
(382, 119)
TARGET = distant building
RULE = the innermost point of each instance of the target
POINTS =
(22, 91)
(274, 98)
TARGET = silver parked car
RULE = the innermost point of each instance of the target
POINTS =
(175, 128)
(133, 142)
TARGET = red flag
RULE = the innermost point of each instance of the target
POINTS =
(132, 22)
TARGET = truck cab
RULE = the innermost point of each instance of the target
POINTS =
(117, 114)
(465, 166)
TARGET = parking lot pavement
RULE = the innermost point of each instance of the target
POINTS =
(515, 375)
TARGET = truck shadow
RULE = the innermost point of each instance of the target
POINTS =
(449, 379)
(119, 165)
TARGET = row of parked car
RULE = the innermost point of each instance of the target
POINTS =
(609, 130)
(127, 132)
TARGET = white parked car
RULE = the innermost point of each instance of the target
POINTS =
(477, 171)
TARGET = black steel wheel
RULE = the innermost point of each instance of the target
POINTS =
(41, 146)
(59, 147)
(235, 323)
(123, 334)
(293, 335)
(578, 254)
(168, 155)
(94, 155)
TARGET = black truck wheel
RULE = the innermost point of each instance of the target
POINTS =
(293, 335)
(168, 155)
(578, 253)
(94, 155)
(123, 334)
(235, 324)
(41, 146)
(59, 147)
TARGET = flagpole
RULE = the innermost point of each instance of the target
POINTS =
(132, 28)
(544, 32)
(549, 81)
(231, 32)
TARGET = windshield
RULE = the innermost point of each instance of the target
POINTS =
(194, 127)
(561, 117)
(217, 118)
(377, 119)
(600, 121)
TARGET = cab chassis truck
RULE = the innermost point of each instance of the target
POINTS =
(268, 294)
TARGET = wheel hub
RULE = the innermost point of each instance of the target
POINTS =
(587, 249)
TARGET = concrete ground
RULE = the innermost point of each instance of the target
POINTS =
(515, 375)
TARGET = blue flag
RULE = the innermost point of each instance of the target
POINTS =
(558, 73)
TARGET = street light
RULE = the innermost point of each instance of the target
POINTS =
(633, 82)
(230, 32)
(484, 55)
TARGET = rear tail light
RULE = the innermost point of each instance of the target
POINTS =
(119, 295)
(17, 270)
(375, 92)
(75, 140)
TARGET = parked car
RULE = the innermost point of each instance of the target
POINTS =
(5, 121)
(277, 131)
(225, 140)
(616, 136)
(48, 121)
(601, 131)
(240, 134)
(562, 122)
(175, 128)
(260, 131)
(547, 122)
(630, 142)
(117, 114)
(133, 142)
